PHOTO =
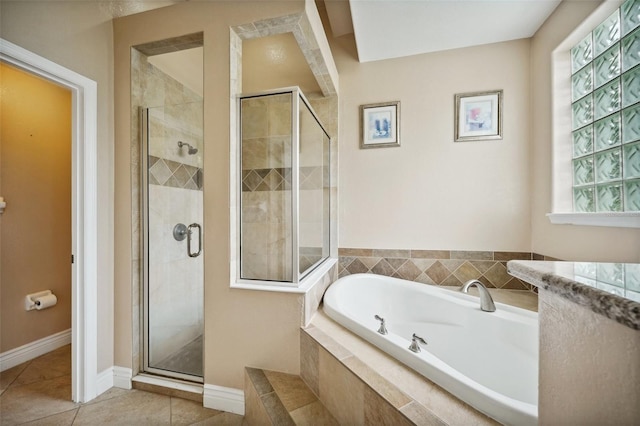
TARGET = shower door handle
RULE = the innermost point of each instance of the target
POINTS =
(189, 233)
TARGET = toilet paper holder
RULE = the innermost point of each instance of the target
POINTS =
(30, 301)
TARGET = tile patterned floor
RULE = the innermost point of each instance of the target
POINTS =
(38, 392)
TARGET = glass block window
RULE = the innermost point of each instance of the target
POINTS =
(605, 96)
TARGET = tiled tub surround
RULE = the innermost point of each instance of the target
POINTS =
(359, 384)
(589, 343)
(439, 267)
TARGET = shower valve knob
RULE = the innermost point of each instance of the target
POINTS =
(180, 232)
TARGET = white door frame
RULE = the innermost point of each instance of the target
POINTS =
(84, 224)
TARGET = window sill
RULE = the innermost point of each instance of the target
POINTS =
(618, 220)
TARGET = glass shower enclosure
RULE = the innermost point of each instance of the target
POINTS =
(172, 200)
(285, 187)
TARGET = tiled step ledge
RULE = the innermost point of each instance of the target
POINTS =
(359, 384)
(273, 398)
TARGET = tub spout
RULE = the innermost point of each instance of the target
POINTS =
(486, 301)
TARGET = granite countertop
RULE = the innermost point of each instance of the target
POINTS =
(609, 289)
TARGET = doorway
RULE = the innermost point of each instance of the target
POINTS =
(84, 321)
(35, 227)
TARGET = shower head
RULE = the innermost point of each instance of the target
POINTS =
(191, 150)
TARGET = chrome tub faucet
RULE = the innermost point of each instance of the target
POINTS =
(415, 343)
(383, 328)
(486, 301)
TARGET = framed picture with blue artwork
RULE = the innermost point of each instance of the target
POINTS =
(478, 116)
(380, 125)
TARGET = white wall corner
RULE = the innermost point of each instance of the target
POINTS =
(224, 399)
(32, 350)
(122, 377)
(104, 381)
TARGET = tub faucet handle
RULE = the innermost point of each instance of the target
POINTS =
(415, 343)
(383, 328)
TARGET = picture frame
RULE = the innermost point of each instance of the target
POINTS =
(478, 116)
(380, 125)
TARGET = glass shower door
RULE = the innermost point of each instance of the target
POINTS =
(285, 188)
(173, 219)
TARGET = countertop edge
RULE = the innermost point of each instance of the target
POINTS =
(619, 309)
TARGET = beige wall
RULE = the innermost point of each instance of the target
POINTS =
(36, 227)
(432, 192)
(584, 243)
(78, 36)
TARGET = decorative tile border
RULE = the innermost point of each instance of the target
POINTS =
(279, 178)
(165, 172)
(438, 267)
(272, 179)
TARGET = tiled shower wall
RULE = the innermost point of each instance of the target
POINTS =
(175, 196)
(438, 267)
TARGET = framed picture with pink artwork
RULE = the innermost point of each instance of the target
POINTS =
(478, 116)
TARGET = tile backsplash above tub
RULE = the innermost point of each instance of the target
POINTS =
(439, 267)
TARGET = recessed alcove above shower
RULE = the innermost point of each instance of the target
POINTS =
(275, 61)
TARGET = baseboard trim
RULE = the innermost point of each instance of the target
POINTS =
(122, 377)
(32, 350)
(104, 381)
(224, 399)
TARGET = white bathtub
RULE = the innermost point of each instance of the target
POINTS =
(488, 360)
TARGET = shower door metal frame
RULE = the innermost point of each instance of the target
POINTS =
(296, 97)
(144, 235)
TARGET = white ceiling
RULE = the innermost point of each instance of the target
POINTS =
(387, 29)
(383, 29)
